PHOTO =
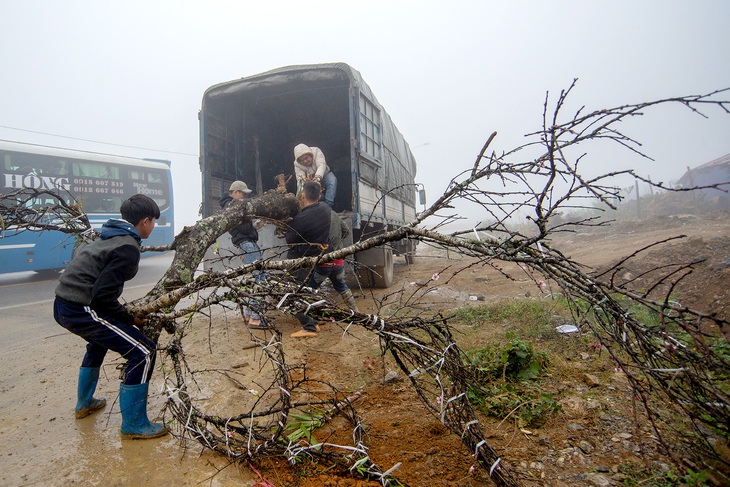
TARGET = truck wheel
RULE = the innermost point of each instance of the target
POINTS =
(411, 258)
(382, 276)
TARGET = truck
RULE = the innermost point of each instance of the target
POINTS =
(250, 126)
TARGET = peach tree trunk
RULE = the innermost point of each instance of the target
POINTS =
(192, 242)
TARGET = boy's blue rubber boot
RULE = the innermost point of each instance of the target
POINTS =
(86, 402)
(135, 424)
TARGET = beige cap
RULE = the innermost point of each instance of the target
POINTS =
(239, 186)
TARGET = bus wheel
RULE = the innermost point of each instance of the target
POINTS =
(49, 273)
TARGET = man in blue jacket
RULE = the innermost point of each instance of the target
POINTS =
(87, 304)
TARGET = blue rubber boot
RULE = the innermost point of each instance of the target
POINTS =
(86, 402)
(135, 424)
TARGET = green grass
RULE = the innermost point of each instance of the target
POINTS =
(507, 381)
(527, 311)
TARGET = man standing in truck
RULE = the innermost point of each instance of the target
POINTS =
(310, 165)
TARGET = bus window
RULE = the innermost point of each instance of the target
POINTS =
(108, 205)
(20, 163)
(96, 170)
(55, 167)
(8, 163)
(46, 201)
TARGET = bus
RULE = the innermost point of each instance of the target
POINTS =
(248, 130)
(100, 182)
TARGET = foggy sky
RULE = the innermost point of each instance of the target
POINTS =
(133, 73)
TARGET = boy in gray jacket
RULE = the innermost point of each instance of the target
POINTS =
(87, 304)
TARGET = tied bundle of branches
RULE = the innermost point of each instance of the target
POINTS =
(434, 364)
(677, 364)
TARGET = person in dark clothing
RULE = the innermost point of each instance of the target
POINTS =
(87, 304)
(334, 270)
(245, 237)
(309, 235)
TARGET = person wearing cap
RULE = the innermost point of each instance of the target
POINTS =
(245, 237)
(310, 165)
(316, 229)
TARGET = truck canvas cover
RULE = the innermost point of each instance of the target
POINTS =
(250, 126)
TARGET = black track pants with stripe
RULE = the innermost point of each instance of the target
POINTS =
(104, 333)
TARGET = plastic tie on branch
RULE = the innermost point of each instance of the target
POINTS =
(385, 474)
(479, 445)
(315, 305)
(494, 466)
(466, 427)
(375, 322)
(349, 323)
(359, 463)
(456, 397)
(283, 298)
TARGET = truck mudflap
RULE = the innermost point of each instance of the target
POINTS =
(374, 267)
